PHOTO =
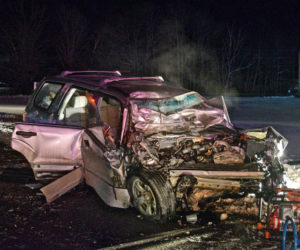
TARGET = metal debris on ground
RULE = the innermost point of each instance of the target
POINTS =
(33, 185)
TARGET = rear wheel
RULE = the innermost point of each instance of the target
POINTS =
(152, 196)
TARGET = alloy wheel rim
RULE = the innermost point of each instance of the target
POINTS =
(144, 198)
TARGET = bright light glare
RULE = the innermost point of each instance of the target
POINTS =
(280, 148)
(292, 176)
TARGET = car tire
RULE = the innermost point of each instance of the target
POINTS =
(152, 195)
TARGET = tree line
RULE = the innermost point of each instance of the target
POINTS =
(187, 46)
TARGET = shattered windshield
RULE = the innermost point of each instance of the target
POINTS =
(171, 105)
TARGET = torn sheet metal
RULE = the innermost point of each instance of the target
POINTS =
(216, 159)
(152, 121)
(115, 197)
(268, 135)
(219, 146)
(226, 154)
(62, 185)
(180, 113)
(114, 158)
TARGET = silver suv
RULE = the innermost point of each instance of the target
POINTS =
(143, 142)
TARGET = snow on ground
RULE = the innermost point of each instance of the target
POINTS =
(283, 113)
(6, 127)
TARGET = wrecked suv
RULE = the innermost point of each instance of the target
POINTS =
(140, 141)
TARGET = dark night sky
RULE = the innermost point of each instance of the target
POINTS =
(263, 19)
(259, 19)
(263, 22)
(270, 38)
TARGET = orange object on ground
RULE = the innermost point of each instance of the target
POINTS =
(267, 235)
(259, 226)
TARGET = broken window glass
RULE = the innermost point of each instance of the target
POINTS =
(172, 105)
(47, 94)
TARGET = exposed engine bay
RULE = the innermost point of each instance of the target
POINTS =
(202, 154)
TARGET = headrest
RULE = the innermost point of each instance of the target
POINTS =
(80, 102)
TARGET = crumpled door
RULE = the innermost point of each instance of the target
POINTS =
(98, 172)
(48, 148)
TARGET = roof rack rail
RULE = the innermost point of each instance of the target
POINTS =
(89, 72)
(157, 78)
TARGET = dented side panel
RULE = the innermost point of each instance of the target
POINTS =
(94, 161)
(48, 145)
(99, 174)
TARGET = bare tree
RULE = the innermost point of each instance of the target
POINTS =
(173, 50)
(73, 39)
(22, 40)
(232, 58)
(139, 41)
(186, 63)
(131, 44)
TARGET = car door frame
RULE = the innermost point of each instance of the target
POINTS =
(99, 173)
(29, 135)
(54, 158)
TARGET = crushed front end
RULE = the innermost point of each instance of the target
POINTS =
(204, 157)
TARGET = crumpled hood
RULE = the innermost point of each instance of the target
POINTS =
(150, 121)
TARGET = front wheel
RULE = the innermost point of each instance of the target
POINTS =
(152, 195)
